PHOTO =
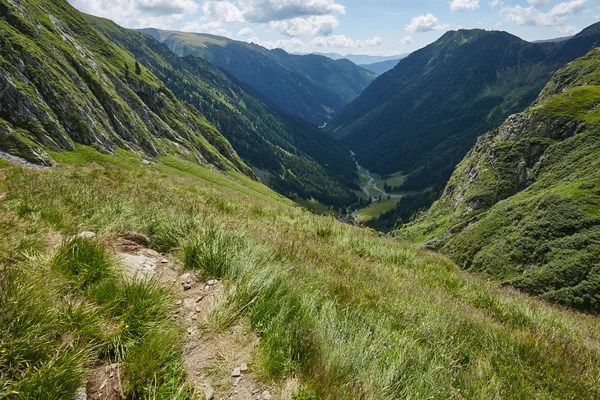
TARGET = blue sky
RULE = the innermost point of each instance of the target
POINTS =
(375, 27)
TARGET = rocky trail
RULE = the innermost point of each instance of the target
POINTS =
(218, 362)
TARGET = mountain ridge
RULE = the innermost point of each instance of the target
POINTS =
(314, 87)
(287, 153)
(64, 84)
(523, 206)
(424, 115)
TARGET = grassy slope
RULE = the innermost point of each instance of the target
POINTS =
(295, 157)
(353, 315)
(523, 207)
(67, 84)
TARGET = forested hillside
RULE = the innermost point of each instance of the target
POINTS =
(311, 86)
(422, 117)
(290, 155)
(524, 206)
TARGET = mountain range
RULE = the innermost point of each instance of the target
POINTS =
(289, 154)
(311, 86)
(143, 256)
(363, 59)
(422, 117)
(381, 67)
(523, 207)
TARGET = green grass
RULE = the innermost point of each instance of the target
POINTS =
(376, 209)
(313, 205)
(67, 311)
(396, 179)
(351, 315)
(579, 103)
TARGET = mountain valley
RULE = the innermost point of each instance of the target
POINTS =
(188, 216)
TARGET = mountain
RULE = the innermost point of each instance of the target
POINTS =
(290, 155)
(381, 67)
(63, 84)
(313, 87)
(423, 116)
(560, 39)
(362, 59)
(523, 207)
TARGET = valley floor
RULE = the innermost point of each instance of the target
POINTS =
(315, 309)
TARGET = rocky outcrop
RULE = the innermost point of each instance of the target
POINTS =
(62, 84)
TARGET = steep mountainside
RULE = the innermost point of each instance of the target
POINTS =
(290, 155)
(313, 87)
(524, 205)
(61, 83)
(424, 116)
(382, 67)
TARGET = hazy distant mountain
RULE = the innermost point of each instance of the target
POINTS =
(381, 67)
(311, 86)
(363, 59)
(555, 40)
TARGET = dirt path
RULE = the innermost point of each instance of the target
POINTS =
(218, 363)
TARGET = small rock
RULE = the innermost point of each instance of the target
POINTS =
(266, 395)
(187, 281)
(190, 331)
(199, 299)
(86, 235)
(209, 392)
(244, 367)
(145, 162)
(237, 381)
(198, 309)
(192, 315)
(236, 372)
(164, 261)
(178, 302)
(189, 303)
(212, 282)
(81, 394)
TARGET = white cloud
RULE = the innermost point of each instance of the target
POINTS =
(424, 23)
(464, 5)
(557, 16)
(537, 3)
(406, 40)
(567, 30)
(214, 28)
(290, 17)
(279, 10)
(223, 11)
(265, 11)
(293, 44)
(313, 26)
(344, 42)
(496, 3)
(244, 32)
(139, 13)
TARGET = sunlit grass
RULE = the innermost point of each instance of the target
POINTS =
(351, 314)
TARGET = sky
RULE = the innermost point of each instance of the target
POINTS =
(373, 27)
